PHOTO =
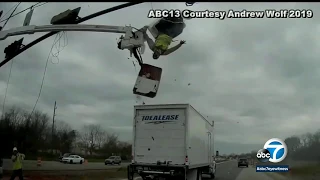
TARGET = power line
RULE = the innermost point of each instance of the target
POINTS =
(115, 8)
(56, 40)
(33, 6)
(7, 12)
(7, 20)
(6, 92)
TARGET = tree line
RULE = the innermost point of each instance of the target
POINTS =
(305, 147)
(35, 135)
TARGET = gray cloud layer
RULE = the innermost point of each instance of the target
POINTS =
(257, 78)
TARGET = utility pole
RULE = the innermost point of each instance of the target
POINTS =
(52, 133)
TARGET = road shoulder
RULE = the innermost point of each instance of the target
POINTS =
(250, 173)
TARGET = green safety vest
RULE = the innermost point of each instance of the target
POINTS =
(162, 42)
(18, 163)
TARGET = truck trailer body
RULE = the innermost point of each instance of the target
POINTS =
(170, 140)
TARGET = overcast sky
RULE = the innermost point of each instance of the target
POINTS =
(256, 78)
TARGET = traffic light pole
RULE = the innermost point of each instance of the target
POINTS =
(115, 8)
(66, 27)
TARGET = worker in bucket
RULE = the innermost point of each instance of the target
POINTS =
(17, 159)
(167, 29)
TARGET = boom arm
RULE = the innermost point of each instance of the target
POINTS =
(129, 41)
(65, 27)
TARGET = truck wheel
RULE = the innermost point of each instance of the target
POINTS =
(212, 176)
(199, 174)
(71, 162)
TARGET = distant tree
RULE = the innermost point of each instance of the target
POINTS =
(92, 137)
(293, 143)
(32, 135)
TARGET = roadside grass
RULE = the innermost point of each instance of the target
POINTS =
(306, 170)
(78, 175)
(119, 173)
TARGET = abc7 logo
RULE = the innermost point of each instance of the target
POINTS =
(263, 155)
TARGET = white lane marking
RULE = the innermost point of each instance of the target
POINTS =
(223, 162)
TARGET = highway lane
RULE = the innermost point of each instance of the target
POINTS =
(54, 165)
(250, 173)
(225, 170)
(229, 171)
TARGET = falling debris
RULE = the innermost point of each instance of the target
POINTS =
(138, 97)
(175, 80)
(134, 65)
(143, 103)
(189, 84)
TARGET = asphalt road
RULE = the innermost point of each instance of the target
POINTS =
(54, 165)
(225, 170)
(229, 171)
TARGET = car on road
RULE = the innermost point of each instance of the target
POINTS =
(243, 162)
(73, 159)
(64, 156)
(113, 160)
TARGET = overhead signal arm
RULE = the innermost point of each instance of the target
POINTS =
(129, 41)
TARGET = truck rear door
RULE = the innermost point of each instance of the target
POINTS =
(160, 136)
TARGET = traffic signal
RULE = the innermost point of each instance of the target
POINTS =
(13, 48)
(190, 3)
(66, 17)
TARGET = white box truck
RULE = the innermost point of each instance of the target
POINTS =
(171, 141)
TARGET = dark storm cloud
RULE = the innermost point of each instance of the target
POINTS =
(257, 78)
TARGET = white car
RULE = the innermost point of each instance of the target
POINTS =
(73, 159)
